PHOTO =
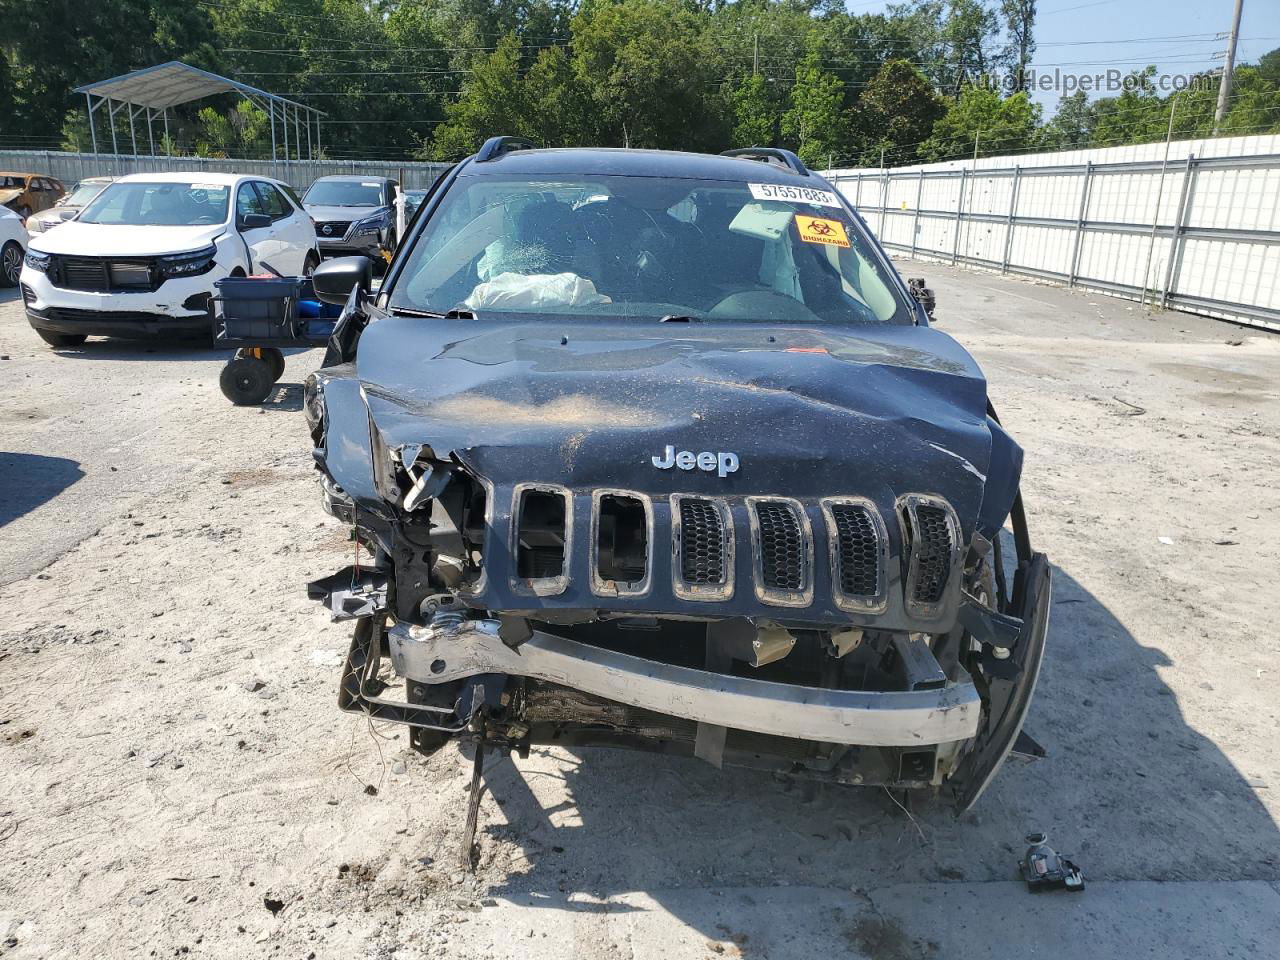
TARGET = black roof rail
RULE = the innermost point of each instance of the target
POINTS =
(771, 155)
(495, 147)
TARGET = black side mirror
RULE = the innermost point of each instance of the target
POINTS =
(334, 279)
(923, 294)
(253, 221)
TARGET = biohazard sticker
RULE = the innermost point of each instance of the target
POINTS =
(818, 230)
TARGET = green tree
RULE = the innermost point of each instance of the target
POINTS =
(492, 103)
(755, 113)
(1138, 115)
(1019, 21)
(650, 74)
(1072, 125)
(816, 123)
(980, 119)
(896, 113)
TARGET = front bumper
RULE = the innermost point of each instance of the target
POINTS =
(178, 308)
(369, 245)
(885, 719)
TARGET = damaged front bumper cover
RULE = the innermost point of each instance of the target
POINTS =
(892, 719)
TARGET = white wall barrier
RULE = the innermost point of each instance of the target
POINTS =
(1198, 231)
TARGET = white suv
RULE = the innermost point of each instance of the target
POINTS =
(142, 257)
(13, 240)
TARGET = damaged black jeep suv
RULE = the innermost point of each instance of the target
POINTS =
(657, 450)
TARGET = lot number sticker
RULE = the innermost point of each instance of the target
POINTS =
(780, 191)
(818, 230)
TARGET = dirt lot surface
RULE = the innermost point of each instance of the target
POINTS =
(178, 780)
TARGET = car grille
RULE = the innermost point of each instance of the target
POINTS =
(337, 229)
(930, 528)
(858, 553)
(102, 274)
(702, 543)
(784, 571)
(934, 551)
(782, 546)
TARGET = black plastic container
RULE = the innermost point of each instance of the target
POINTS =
(264, 311)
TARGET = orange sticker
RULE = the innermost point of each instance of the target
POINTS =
(818, 230)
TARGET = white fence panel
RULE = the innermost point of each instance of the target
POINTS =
(1193, 225)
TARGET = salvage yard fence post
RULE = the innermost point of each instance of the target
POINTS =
(1175, 241)
(1013, 212)
(1079, 238)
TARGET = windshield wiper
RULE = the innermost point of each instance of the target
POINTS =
(454, 314)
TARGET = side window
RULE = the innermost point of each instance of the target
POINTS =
(276, 206)
(292, 194)
(37, 184)
(248, 201)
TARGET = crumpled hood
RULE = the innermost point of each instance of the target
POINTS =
(75, 238)
(809, 411)
(11, 193)
(320, 212)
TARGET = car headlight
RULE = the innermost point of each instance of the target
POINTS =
(35, 225)
(372, 224)
(37, 261)
(188, 264)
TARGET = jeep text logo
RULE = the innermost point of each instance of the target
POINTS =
(722, 463)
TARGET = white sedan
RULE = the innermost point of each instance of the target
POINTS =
(142, 257)
(13, 241)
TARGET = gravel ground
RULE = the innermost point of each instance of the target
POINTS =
(178, 780)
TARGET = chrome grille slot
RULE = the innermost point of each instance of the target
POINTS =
(541, 525)
(782, 551)
(702, 555)
(932, 532)
(781, 557)
(702, 548)
(621, 537)
(859, 554)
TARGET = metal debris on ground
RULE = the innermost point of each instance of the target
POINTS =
(1044, 869)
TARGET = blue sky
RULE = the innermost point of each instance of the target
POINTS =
(1068, 31)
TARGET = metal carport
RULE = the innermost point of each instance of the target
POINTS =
(154, 90)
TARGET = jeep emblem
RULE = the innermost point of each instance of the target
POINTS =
(722, 463)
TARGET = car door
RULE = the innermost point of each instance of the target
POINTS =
(258, 231)
(42, 194)
(294, 229)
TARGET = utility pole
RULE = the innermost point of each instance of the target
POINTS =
(1228, 65)
(976, 135)
(755, 54)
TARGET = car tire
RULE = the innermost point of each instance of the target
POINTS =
(10, 263)
(62, 339)
(246, 381)
(309, 265)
